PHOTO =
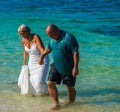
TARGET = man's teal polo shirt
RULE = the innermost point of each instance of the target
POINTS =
(62, 52)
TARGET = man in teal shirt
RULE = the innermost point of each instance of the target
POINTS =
(64, 68)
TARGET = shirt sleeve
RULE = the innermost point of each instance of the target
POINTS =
(73, 43)
(49, 46)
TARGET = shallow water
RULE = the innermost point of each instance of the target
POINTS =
(14, 102)
(96, 26)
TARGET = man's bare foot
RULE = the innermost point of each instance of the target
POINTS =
(68, 103)
(56, 107)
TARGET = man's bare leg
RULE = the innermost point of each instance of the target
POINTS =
(71, 94)
(54, 94)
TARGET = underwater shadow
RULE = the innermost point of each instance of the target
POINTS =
(105, 95)
(101, 96)
(98, 92)
(106, 31)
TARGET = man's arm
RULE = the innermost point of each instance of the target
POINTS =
(44, 53)
(75, 70)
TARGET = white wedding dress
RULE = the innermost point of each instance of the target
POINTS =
(38, 73)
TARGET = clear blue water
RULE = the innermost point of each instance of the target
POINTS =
(96, 26)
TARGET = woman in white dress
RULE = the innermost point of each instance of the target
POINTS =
(33, 47)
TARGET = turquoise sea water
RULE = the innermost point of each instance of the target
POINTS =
(96, 26)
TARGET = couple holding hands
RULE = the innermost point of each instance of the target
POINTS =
(64, 48)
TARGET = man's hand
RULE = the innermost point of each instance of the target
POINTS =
(41, 60)
(75, 72)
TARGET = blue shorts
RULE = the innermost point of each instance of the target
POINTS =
(55, 76)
